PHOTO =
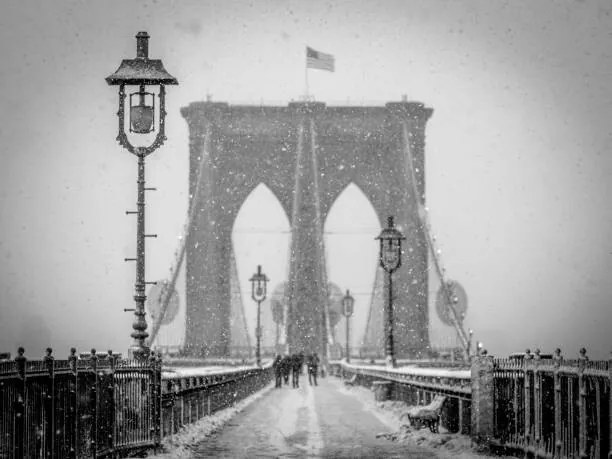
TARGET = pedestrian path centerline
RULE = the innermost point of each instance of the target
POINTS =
(315, 438)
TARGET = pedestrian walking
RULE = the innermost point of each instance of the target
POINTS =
(286, 368)
(278, 371)
(302, 360)
(313, 368)
(296, 368)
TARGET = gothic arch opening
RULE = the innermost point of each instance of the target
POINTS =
(261, 236)
(351, 254)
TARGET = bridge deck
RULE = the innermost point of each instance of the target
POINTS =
(322, 421)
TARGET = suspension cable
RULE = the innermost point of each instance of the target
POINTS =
(457, 324)
(168, 289)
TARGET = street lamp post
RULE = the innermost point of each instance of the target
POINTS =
(141, 72)
(347, 310)
(390, 260)
(259, 283)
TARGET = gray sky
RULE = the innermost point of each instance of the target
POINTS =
(518, 150)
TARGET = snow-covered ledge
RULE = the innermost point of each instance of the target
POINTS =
(443, 380)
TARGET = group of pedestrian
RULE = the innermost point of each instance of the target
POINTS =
(294, 365)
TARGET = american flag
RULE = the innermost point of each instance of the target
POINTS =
(318, 60)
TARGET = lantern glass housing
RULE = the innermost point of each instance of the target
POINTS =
(142, 112)
(259, 285)
(390, 247)
(141, 72)
(347, 304)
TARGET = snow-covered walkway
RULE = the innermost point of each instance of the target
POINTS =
(327, 421)
(321, 421)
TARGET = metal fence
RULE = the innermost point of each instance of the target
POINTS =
(553, 407)
(100, 405)
(527, 405)
(186, 399)
(95, 406)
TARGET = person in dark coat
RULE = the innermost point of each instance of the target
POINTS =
(302, 360)
(313, 368)
(278, 371)
(296, 368)
(286, 368)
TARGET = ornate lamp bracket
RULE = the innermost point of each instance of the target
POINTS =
(160, 138)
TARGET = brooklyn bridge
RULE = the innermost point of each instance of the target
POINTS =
(365, 387)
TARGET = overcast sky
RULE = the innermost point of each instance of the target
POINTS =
(518, 152)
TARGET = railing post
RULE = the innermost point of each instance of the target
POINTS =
(527, 396)
(172, 390)
(50, 404)
(151, 396)
(582, 412)
(537, 402)
(558, 421)
(74, 406)
(94, 400)
(465, 419)
(515, 402)
(610, 407)
(460, 426)
(482, 398)
(109, 403)
(20, 404)
(158, 400)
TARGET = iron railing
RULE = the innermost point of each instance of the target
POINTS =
(90, 407)
(538, 407)
(553, 407)
(186, 399)
(100, 405)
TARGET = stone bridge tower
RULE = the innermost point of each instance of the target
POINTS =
(306, 153)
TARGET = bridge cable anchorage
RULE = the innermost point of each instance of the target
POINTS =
(150, 189)
(180, 254)
(422, 216)
(129, 259)
(128, 309)
(150, 235)
(151, 283)
(131, 212)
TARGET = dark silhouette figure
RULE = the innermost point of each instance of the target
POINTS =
(278, 371)
(286, 368)
(302, 360)
(296, 368)
(313, 368)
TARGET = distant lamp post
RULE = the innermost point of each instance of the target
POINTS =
(259, 288)
(141, 72)
(390, 260)
(347, 310)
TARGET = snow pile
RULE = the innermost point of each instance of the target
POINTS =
(182, 372)
(413, 370)
(443, 444)
(181, 444)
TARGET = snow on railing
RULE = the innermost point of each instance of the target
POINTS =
(455, 382)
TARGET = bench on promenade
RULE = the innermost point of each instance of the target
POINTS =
(352, 381)
(428, 415)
